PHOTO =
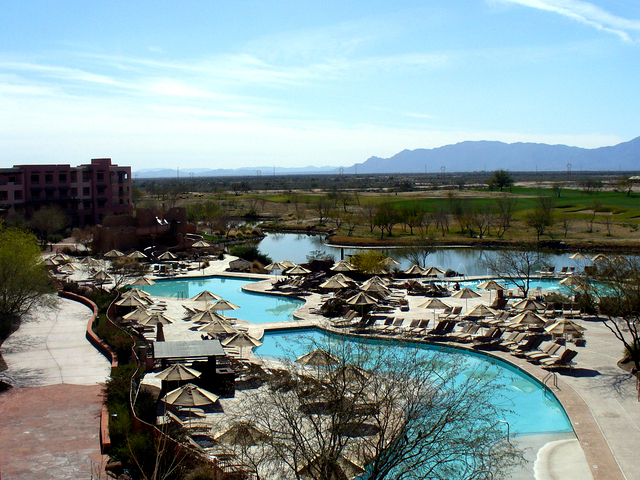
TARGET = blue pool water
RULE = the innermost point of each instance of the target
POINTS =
(544, 283)
(533, 410)
(254, 307)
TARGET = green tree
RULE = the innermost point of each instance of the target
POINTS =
(541, 217)
(47, 221)
(24, 281)
(369, 261)
(500, 179)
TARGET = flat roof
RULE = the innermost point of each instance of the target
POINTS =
(194, 348)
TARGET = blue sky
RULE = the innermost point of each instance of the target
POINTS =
(245, 83)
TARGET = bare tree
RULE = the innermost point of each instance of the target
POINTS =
(404, 413)
(541, 217)
(420, 250)
(515, 266)
(615, 287)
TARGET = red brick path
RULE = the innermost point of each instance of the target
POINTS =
(50, 432)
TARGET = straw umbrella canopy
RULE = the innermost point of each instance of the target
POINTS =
(208, 316)
(361, 299)
(67, 269)
(137, 254)
(136, 292)
(318, 358)
(50, 262)
(415, 270)
(206, 296)
(374, 287)
(157, 317)
(528, 304)
(480, 311)
(491, 285)
(344, 468)
(434, 304)
(242, 433)
(168, 256)
(433, 272)
(201, 244)
(272, 267)
(600, 258)
(579, 256)
(564, 327)
(375, 279)
(288, 264)
(466, 293)
(90, 262)
(178, 372)
(102, 276)
(61, 257)
(190, 396)
(223, 305)
(297, 270)
(389, 262)
(571, 281)
(142, 282)
(114, 254)
(218, 326)
(528, 318)
(343, 266)
(333, 284)
(342, 278)
(241, 340)
(140, 314)
(131, 301)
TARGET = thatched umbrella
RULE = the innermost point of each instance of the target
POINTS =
(140, 314)
(466, 293)
(114, 254)
(332, 284)
(102, 277)
(190, 396)
(142, 282)
(131, 301)
(136, 292)
(491, 285)
(415, 270)
(600, 258)
(241, 339)
(480, 311)
(223, 305)
(242, 433)
(361, 299)
(564, 327)
(433, 272)
(343, 266)
(137, 255)
(297, 270)
(206, 296)
(207, 316)
(528, 304)
(168, 256)
(288, 264)
(374, 287)
(343, 467)
(527, 318)
(579, 256)
(178, 372)
(50, 262)
(218, 326)
(434, 304)
(342, 278)
(157, 317)
(201, 244)
(318, 358)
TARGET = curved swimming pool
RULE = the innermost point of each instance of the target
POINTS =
(254, 307)
(531, 408)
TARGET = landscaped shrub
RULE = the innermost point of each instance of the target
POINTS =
(250, 253)
(146, 407)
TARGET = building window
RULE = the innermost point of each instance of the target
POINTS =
(74, 192)
(4, 195)
(35, 178)
(62, 178)
(35, 194)
(17, 195)
(86, 176)
(100, 176)
(86, 191)
(86, 204)
(48, 178)
(101, 190)
(74, 177)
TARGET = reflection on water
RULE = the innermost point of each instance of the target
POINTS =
(468, 261)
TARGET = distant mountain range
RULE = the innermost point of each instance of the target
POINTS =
(470, 156)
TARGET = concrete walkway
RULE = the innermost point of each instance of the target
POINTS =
(50, 425)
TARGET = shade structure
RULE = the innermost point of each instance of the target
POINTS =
(480, 311)
(241, 340)
(375, 279)
(343, 266)
(218, 327)
(178, 372)
(140, 314)
(288, 264)
(67, 269)
(157, 317)
(318, 358)
(297, 270)
(374, 287)
(491, 285)
(190, 396)
(578, 256)
(242, 433)
(390, 262)
(159, 332)
(168, 256)
(564, 327)
(50, 262)
(272, 267)
(206, 296)
(333, 284)
(131, 301)
(528, 318)
(361, 299)
(90, 262)
(415, 270)
(342, 278)
(434, 303)
(223, 305)
(528, 304)
(102, 276)
(466, 293)
(137, 254)
(349, 373)
(136, 292)
(433, 272)
(142, 282)
(571, 281)
(61, 257)
(600, 258)
(114, 254)
(207, 316)
(201, 244)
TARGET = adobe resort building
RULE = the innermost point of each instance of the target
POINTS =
(87, 193)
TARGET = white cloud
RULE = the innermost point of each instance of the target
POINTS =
(586, 13)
